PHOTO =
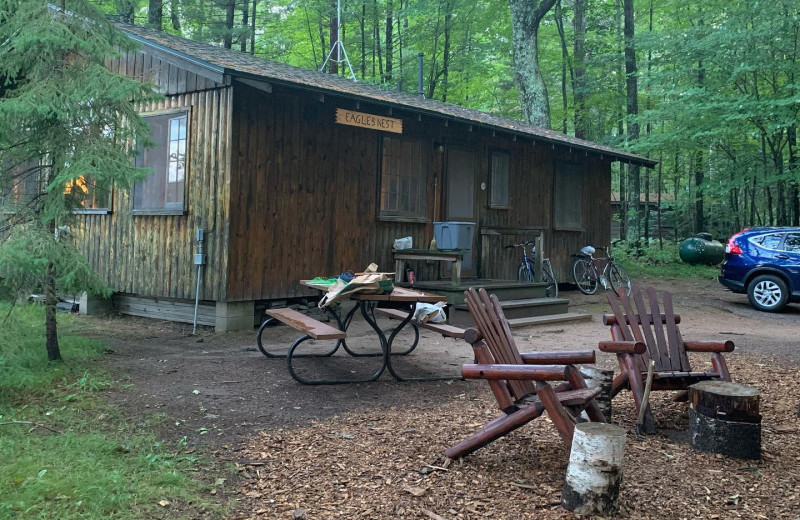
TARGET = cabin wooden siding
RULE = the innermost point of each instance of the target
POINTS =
(153, 254)
(305, 194)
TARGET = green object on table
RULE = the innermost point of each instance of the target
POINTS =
(323, 280)
(386, 286)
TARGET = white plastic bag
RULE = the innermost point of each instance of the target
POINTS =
(430, 312)
(403, 243)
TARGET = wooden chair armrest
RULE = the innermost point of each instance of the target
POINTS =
(472, 336)
(516, 372)
(622, 347)
(559, 358)
(709, 346)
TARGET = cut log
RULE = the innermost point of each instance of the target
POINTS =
(724, 418)
(601, 379)
(594, 474)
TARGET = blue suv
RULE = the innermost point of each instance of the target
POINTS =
(765, 264)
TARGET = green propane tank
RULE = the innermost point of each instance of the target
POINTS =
(701, 249)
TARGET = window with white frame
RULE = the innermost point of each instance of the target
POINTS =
(165, 188)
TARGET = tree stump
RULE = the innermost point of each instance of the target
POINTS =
(596, 377)
(594, 473)
(724, 419)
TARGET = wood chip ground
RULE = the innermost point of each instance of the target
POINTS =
(387, 463)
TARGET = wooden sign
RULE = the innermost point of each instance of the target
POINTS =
(371, 121)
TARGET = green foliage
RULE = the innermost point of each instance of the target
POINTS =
(91, 463)
(21, 363)
(65, 121)
(650, 261)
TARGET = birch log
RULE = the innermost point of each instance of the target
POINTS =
(594, 473)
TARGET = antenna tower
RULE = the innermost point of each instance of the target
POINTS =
(338, 46)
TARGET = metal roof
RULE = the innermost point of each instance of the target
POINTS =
(236, 63)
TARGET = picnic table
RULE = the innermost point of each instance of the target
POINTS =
(364, 303)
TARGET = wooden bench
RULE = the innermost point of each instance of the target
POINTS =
(444, 329)
(310, 328)
(306, 324)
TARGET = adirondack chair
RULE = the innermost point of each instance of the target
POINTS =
(641, 334)
(519, 381)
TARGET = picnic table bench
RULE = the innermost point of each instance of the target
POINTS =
(444, 329)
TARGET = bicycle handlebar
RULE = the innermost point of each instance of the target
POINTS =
(528, 243)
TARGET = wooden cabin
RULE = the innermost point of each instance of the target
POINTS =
(293, 173)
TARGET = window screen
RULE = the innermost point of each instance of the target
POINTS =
(501, 166)
(568, 196)
(402, 178)
(164, 188)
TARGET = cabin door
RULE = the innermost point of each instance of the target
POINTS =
(459, 195)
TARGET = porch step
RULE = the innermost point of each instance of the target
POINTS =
(527, 307)
(504, 289)
(553, 318)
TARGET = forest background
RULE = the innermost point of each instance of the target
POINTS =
(708, 89)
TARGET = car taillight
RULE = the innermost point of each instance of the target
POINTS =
(732, 247)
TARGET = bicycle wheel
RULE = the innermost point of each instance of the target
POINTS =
(524, 274)
(619, 279)
(584, 276)
(551, 290)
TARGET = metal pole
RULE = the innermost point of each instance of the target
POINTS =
(196, 299)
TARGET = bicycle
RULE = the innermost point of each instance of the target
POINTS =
(586, 272)
(525, 272)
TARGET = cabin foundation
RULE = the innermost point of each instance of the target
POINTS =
(232, 316)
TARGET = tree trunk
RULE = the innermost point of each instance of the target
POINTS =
(155, 14)
(526, 15)
(51, 326)
(699, 174)
(253, 29)
(362, 25)
(794, 196)
(559, 17)
(245, 27)
(174, 15)
(333, 37)
(448, 17)
(126, 10)
(623, 190)
(658, 208)
(389, 45)
(632, 90)
(579, 61)
(230, 11)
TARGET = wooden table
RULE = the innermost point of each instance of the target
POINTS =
(455, 256)
(363, 300)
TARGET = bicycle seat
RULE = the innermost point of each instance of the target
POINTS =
(588, 250)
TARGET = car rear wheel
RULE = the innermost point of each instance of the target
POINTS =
(767, 293)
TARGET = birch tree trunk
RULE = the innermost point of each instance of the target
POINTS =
(525, 19)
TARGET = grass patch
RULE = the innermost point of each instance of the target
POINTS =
(650, 262)
(80, 459)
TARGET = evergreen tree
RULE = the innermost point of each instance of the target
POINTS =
(66, 128)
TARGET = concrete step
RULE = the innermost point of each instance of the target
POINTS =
(554, 318)
(527, 307)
